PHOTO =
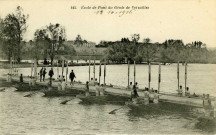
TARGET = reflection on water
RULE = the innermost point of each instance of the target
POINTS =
(37, 114)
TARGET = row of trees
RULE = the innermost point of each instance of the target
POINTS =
(13, 26)
(168, 51)
(48, 41)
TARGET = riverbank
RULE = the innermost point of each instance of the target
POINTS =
(6, 65)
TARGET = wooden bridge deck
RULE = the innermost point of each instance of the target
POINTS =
(172, 98)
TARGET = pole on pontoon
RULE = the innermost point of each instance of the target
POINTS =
(128, 73)
(149, 78)
(159, 77)
(99, 72)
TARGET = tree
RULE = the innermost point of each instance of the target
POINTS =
(1, 36)
(51, 38)
(1, 31)
(78, 40)
(146, 40)
(14, 26)
(135, 37)
(126, 40)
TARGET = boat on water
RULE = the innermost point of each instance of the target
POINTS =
(106, 99)
(116, 96)
(168, 108)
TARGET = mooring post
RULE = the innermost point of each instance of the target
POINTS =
(67, 72)
(32, 68)
(105, 72)
(15, 67)
(178, 74)
(11, 66)
(128, 73)
(35, 69)
(13, 63)
(89, 69)
(62, 70)
(99, 72)
(185, 77)
(159, 77)
(134, 73)
(94, 69)
(57, 70)
(149, 85)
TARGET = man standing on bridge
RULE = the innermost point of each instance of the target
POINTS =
(72, 76)
(41, 74)
(51, 73)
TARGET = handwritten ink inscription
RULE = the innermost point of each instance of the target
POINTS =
(112, 10)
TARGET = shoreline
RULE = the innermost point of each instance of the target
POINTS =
(6, 65)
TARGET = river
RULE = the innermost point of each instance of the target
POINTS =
(201, 78)
(40, 115)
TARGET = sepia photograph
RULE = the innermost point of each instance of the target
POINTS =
(107, 67)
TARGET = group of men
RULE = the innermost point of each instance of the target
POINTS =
(62, 83)
(133, 88)
(100, 89)
(180, 91)
(93, 81)
(149, 95)
(42, 74)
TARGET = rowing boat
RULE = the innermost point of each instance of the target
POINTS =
(54, 92)
(106, 99)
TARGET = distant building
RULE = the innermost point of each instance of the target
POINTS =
(89, 44)
(69, 43)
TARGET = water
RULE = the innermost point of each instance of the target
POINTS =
(40, 115)
(200, 78)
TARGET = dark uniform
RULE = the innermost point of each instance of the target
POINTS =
(72, 76)
(51, 73)
(44, 73)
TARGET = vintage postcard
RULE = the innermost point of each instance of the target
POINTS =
(107, 67)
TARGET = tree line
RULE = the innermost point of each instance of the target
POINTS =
(49, 40)
(47, 43)
(13, 26)
(167, 52)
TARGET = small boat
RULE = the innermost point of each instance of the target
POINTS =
(137, 103)
(54, 92)
(160, 106)
(106, 99)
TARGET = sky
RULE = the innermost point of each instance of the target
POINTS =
(189, 20)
